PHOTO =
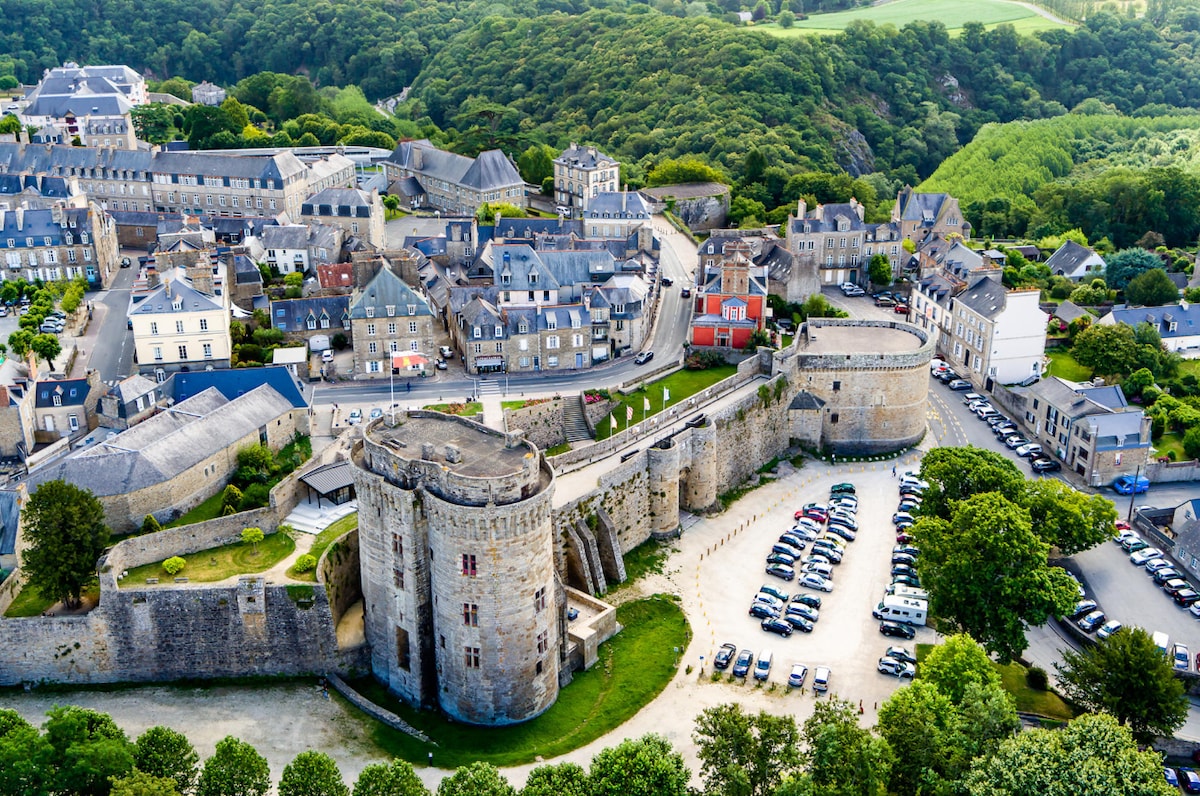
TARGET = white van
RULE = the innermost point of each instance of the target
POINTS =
(902, 609)
(821, 678)
(911, 592)
(762, 667)
(1161, 641)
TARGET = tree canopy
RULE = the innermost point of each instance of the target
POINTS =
(66, 534)
(1151, 288)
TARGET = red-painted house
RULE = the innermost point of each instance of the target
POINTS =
(731, 306)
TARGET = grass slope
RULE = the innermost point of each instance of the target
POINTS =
(680, 385)
(902, 12)
(323, 540)
(634, 667)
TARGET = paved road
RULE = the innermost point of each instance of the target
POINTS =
(111, 345)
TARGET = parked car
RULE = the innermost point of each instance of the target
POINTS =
(811, 580)
(1043, 465)
(798, 674)
(907, 549)
(800, 609)
(441, 364)
(741, 667)
(1155, 565)
(1092, 621)
(1108, 628)
(1082, 607)
(900, 654)
(798, 622)
(900, 309)
(885, 301)
(769, 599)
(1140, 558)
(777, 626)
(724, 657)
(1185, 597)
(1015, 441)
(643, 358)
(902, 569)
(1190, 780)
(909, 504)
(1165, 575)
(1171, 777)
(376, 413)
(781, 571)
(763, 611)
(787, 549)
(843, 488)
(805, 533)
(903, 558)
(686, 293)
(946, 376)
(1030, 450)
(903, 516)
(327, 355)
(1132, 543)
(355, 417)
(959, 384)
(811, 600)
(896, 629)
(842, 531)
(907, 580)
(782, 558)
(1176, 585)
(896, 668)
(1181, 659)
(1128, 485)
(778, 594)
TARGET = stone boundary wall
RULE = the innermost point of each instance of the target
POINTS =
(183, 540)
(1011, 401)
(10, 589)
(1166, 472)
(374, 711)
(542, 422)
(583, 456)
(594, 413)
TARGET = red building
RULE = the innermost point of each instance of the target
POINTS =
(731, 306)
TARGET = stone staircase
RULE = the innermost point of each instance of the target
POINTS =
(307, 518)
(573, 423)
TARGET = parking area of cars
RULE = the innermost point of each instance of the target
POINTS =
(811, 572)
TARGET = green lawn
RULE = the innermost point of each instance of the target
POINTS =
(562, 447)
(219, 563)
(323, 540)
(1063, 365)
(680, 385)
(647, 557)
(30, 602)
(208, 510)
(463, 410)
(1168, 443)
(1191, 366)
(634, 667)
(901, 12)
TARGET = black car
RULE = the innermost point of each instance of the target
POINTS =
(798, 622)
(781, 558)
(842, 531)
(777, 626)
(724, 657)
(741, 667)
(811, 600)
(793, 540)
(667, 282)
(1042, 465)
(903, 558)
(907, 549)
(889, 628)
(763, 611)
(787, 549)
(902, 569)
(1185, 597)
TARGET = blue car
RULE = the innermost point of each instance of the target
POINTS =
(1128, 485)
(1190, 780)
(1170, 776)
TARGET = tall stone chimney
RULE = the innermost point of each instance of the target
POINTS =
(201, 276)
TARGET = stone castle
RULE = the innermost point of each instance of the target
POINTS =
(472, 545)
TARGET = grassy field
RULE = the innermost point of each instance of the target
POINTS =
(1063, 365)
(219, 563)
(208, 510)
(30, 602)
(680, 385)
(634, 666)
(323, 540)
(901, 12)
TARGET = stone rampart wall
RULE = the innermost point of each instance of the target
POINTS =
(338, 571)
(542, 422)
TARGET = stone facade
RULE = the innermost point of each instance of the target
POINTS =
(541, 423)
(458, 573)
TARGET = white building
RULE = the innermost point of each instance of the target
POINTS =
(581, 174)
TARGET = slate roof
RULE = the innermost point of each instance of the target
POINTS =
(387, 289)
(60, 159)
(348, 202)
(806, 402)
(182, 298)
(492, 169)
(527, 229)
(1117, 430)
(1068, 311)
(130, 389)
(406, 186)
(41, 184)
(236, 382)
(986, 297)
(617, 204)
(584, 157)
(1069, 258)
(291, 315)
(71, 392)
(292, 236)
(167, 444)
(246, 271)
(329, 477)
(919, 206)
(1185, 316)
(10, 514)
(78, 105)
(827, 221)
(39, 224)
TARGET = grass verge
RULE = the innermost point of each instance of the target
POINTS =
(208, 510)
(1063, 365)
(219, 563)
(461, 409)
(557, 449)
(646, 558)
(322, 542)
(1171, 443)
(634, 667)
(30, 602)
(680, 385)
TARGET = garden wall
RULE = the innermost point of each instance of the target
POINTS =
(542, 422)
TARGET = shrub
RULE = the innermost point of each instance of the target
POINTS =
(306, 563)
(255, 497)
(150, 524)
(174, 565)
(703, 360)
(231, 498)
(1035, 678)
(1191, 443)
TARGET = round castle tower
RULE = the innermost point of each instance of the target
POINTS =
(457, 564)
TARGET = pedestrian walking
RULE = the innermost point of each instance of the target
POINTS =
(893, 471)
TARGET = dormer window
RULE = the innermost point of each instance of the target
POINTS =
(533, 277)
(391, 310)
(370, 312)
(476, 332)
(523, 328)
(551, 323)
(499, 331)
(505, 278)
(412, 309)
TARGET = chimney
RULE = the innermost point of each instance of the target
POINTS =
(801, 209)
(201, 278)
(167, 287)
(20, 219)
(416, 159)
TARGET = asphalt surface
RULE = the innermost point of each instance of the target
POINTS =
(111, 344)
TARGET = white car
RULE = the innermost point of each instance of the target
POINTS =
(1029, 450)
(1194, 610)
(1155, 564)
(812, 580)
(851, 289)
(327, 355)
(1142, 557)
(1108, 628)
(1180, 658)
(896, 668)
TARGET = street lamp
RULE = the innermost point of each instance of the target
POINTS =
(1133, 493)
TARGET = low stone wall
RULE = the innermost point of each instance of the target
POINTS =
(1169, 472)
(542, 422)
(374, 711)
(186, 539)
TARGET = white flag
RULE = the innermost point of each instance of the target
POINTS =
(613, 420)
(646, 404)
(666, 396)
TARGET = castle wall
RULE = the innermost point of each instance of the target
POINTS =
(542, 422)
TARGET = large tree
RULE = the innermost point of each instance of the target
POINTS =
(1127, 264)
(163, 752)
(987, 572)
(840, 756)
(880, 270)
(987, 716)
(561, 779)
(1092, 754)
(235, 769)
(27, 764)
(743, 754)
(646, 766)
(1126, 676)
(477, 779)
(398, 779)
(312, 773)
(920, 724)
(89, 749)
(66, 534)
(955, 664)
(1067, 519)
(1150, 289)
(955, 474)
(1107, 349)
(139, 783)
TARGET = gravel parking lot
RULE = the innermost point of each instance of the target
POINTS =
(846, 638)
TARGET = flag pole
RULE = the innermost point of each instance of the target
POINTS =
(392, 385)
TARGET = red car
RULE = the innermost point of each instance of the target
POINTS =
(900, 309)
(1121, 525)
(903, 538)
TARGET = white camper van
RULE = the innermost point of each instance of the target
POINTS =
(912, 593)
(902, 609)
(1160, 641)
